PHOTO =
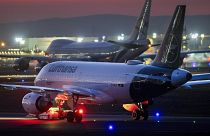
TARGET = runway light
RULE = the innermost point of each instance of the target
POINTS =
(157, 114)
(23, 80)
(110, 127)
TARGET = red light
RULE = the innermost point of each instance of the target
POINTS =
(81, 111)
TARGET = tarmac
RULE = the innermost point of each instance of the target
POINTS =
(104, 124)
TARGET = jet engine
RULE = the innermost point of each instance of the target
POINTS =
(179, 77)
(35, 103)
(21, 64)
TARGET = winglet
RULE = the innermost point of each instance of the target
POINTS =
(169, 53)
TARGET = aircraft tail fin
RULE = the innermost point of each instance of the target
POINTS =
(140, 29)
(169, 53)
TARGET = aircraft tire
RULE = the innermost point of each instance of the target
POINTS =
(136, 115)
(70, 117)
(78, 117)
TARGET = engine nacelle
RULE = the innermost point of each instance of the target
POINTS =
(34, 103)
(21, 64)
(180, 77)
(40, 66)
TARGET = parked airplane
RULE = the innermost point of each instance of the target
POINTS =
(131, 84)
(183, 55)
(110, 51)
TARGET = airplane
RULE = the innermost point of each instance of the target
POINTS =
(183, 55)
(134, 85)
(110, 51)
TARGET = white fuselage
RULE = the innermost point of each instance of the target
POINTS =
(110, 79)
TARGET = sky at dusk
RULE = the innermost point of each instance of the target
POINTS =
(26, 10)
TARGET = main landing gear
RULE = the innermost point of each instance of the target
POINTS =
(141, 113)
(75, 115)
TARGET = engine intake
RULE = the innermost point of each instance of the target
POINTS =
(21, 64)
(34, 103)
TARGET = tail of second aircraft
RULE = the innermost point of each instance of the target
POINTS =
(140, 29)
(169, 52)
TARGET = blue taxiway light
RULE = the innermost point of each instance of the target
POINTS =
(110, 127)
(194, 64)
(157, 114)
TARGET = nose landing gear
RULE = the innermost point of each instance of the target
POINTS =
(141, 113)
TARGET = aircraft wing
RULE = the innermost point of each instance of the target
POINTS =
(82, 93)
(192, 85)
(31, 57)
(46, 58)
(182, 55)
(38, 89)
(134, 45)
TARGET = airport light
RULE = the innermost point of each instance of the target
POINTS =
(184, 37)
(202, 36)
(157, 114)
(194, 35)
(80, 39)
(121, 37)
(3, 44)
(154, 35)
(103, 37)
(20, 40)
(110, 127)
(194, 64)
(96, 40)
